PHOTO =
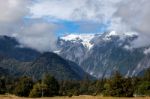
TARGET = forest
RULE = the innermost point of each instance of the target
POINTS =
(48, 86)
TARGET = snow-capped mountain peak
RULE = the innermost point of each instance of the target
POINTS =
(83, 38)
(86, 38)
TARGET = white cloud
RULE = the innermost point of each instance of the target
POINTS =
(12, 13)
(136, 15)
(38, 35)
(75, 10)
(13, 10)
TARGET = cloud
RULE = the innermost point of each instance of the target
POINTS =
(135, 15)
(75, 10)
(36, 34)
(13, 10)
(12, 13)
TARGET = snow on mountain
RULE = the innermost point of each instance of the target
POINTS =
(147, 51)
(121, 35)
(126, 34)
(83, 38)
(86, 39)
(112, 33)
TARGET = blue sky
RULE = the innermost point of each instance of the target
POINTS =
(76, 27)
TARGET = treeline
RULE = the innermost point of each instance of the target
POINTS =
(48, 86)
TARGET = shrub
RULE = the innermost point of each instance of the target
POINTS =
(143, 88)
(39, 90)
(23, 87)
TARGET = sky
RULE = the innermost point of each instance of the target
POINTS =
(40, 22)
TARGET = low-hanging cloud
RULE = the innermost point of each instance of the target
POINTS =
(36, 34)
(136, 15)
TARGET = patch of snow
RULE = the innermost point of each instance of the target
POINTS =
(127, 47)
(130, 34)
(91, 73)
(57, 52)
(121, 35)
(83, 38)
(126, 34)
(147, 51)
(112, 33)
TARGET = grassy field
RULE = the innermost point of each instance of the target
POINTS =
(74, 97)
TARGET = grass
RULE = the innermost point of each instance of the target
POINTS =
(74, 97)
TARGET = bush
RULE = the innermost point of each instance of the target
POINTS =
(70, 95)
(23, 87)
(52, 85)
(39, 90)
(47, 88)
(2, 86)
(143, 88)
(118, 86)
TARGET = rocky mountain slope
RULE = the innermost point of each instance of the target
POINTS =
(101, 54)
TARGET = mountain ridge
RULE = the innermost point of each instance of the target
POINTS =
(110, 51)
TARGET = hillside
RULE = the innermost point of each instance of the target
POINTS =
(55, 65)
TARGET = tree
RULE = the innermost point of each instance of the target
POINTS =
(147, 75)
(39, 90)
(48, 87)
(128, 87)
(24, 86)
(118, 86)
(2, 85)
(143, 88)
(52, 84)
(85, 85)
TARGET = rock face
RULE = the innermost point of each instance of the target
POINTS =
(102, 54)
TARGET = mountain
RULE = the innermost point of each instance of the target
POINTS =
(17, 61)
(12, 66)
(101, 54)
(55, 65)
(46, 63)
(10, 47)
